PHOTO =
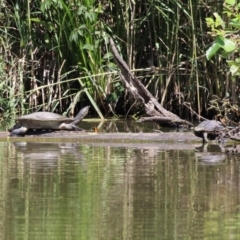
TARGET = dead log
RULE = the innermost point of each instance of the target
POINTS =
(176, 122)
(140, 93)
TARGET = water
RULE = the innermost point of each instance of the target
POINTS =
(53, 190)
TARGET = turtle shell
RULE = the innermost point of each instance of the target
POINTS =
(43, 120)
(212, 127)
(209, 126)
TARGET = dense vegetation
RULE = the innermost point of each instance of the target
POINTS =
(55, 56)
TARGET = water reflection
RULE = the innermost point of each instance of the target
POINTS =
(94, 191)
(112, 126)
(210, 154)
(48, 154)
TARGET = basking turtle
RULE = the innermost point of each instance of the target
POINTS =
(209, 129)
(47, 120)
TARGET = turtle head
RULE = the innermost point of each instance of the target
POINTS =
(82, 113)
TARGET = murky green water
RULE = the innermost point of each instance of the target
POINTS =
(90, 191)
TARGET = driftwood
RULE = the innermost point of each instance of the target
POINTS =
(235, 134)
(164, 120)
(140, 93)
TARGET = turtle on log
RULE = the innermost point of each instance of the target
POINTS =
(209, 129)
(47, 120)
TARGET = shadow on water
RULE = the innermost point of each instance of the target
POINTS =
(117, 190)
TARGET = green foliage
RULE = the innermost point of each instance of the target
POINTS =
(225, 32)
(117, 92)
(59, 55)
(54, 42)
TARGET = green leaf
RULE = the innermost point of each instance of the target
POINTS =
(235, 24)
(224, 54)
(230, 62)
(234, 69)
(88, 46)
(117, 84)
(210, 22)
(212, 50)
(226, 44)
(220, 40)
(37, 20)
(219, 21)
(46, 38)
(111, 97)
(108, 56)
(231, 2)
(229, 45)
(73, 36)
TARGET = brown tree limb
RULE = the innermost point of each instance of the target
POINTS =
(140, 93)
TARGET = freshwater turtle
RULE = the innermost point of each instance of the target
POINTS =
(209, 129)
(47, 120)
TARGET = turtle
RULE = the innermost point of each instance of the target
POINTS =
(47, 120)
(209, 129)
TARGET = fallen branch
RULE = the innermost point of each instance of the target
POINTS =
(140, 93)
(175, 122)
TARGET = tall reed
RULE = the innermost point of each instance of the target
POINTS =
(57, 53)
